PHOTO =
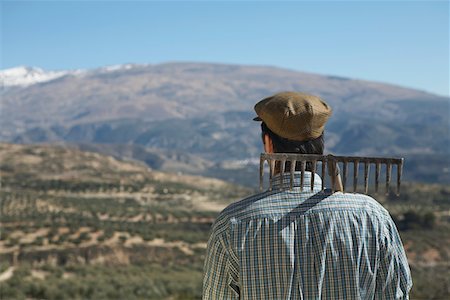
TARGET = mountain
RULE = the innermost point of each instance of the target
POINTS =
(205, 111)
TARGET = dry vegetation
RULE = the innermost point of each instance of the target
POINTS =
(81, 225)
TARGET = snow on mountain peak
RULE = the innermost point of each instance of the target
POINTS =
(113, 68)
(25, 76)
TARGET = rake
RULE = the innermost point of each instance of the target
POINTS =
(277, 162)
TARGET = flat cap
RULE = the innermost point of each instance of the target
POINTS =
(294, 116)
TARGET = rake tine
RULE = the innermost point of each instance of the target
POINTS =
(345, 174)
(377, 176)
(271, 170)
(332, 171)
(282, 167)
(291, 184)
(261, 173)
(331, 165)
(302, 175)
(388, 176)
(323, 174)
(313, 174)
(399, 176)
(366, 176)
(355, 175)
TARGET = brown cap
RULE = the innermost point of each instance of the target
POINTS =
(294, 116)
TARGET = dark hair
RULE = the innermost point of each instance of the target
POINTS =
(283, 145)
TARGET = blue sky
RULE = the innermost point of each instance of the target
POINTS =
(400, 42)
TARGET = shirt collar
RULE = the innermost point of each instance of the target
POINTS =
(279, 182)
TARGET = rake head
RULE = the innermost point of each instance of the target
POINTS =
(277, 161)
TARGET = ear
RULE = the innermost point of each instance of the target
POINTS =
(268, 144)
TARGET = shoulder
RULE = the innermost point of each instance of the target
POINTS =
(350, 202)
(253, 206)
(360, 202)
(236, 210)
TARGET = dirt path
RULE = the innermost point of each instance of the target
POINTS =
(7, 274)
(202, 203)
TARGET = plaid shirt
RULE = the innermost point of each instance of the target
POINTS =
(292, 244)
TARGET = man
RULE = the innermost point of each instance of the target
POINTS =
(303, 244)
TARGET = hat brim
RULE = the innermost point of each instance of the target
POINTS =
(257, 119)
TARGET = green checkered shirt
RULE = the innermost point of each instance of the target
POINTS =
(292, 244)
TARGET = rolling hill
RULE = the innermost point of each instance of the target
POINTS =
(81, 225)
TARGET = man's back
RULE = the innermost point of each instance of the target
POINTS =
(305, 245)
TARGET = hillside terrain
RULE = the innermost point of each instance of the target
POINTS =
(81, 225)
(204, 112)
(65, 213)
